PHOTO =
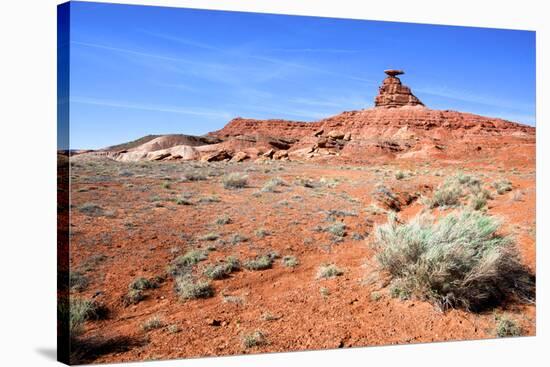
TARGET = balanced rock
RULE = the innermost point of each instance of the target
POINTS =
(393, 94)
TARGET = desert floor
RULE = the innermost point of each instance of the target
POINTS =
(131, 220)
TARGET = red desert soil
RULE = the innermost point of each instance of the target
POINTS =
(140, 227)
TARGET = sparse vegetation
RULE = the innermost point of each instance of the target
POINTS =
(133, 297)
(262, 232)
(448, 195)
(78, 281)
(153, 323)
(259, 263)
(502, 186)
(290, 261)
(223, 220)
(325, 292)
(272, 184)
(507, 327)
(141, 284)
(221, 271)
(80, 311)
(478, 202)
(237, 238)
(209, 199)
(173, 329)
(91, 209)
(182, 263)
(211, 236)
(255, 339)
(460, 261)
(326, 271)
(188, 289)
(235, 181)
(399, 175)
(337, 229)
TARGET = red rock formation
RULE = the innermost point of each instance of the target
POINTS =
(394, 94)
(399, 126)
(279, 128)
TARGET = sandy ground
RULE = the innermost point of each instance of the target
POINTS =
(140, 229)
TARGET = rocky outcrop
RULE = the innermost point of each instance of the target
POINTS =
(216, 156)
(282, 129)
(399, 126)
(239, 157)
(392, 93)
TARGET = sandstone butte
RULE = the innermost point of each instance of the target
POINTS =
(399, 126)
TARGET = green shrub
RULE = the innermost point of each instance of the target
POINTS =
(209, 199)
(141, 283)
(182, 264)
(78, 281)
(262, 232)
(338, 229)
(212, 236)
(478, 202)
(221, 271)
(271, 185)
(133, 297)
(290, 261)
(80, 311)
(153, 323)
(459, 261)
(255, 339)
(259, 263)
(399, 175)
(183, 201)
(448, 195)
(91, 209)
(329, 271)
(193, 176)
(223, 220)
(507, 327)
(237, 238)
(502, 186)
(235, 181)
(188, 289)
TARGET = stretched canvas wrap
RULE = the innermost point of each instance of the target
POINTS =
(233, 183)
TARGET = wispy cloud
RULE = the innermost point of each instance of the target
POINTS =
(152, 107)
(255, 54)
(479, 98)
(314, 50)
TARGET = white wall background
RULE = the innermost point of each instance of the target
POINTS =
(28, 181)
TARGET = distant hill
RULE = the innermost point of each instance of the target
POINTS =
(175, 139)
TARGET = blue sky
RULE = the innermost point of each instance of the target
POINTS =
(138, 70)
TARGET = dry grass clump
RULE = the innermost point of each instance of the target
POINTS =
(153, 323)
(259, 263)
(459, 261)
(221, 271)
(447, 195)
(272, 184)
(326, 271)
(182, 264)
(136, 290)
(502, 186)
(187, 289)
(507, 327)
(290, 261)
(78, 281)
(255, 339)
(80, 311)
(235, 181)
